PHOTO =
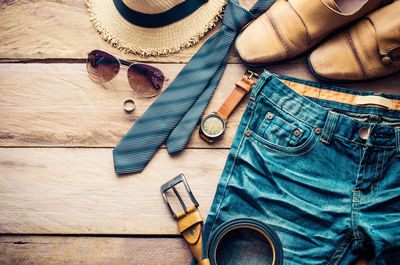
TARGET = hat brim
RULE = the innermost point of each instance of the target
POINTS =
(153, 41)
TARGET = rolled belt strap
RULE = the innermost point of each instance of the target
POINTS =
(247, 223)
(190, 225)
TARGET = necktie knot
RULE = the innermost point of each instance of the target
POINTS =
(236, 17)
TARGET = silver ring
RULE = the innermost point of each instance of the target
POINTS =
(129, 105)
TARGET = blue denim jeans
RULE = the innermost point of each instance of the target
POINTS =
(321, 171)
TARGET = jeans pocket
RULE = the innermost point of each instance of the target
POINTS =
(277, 131)
(280, 132)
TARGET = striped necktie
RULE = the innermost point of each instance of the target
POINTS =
(177, 110)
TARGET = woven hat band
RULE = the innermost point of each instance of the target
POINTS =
(151, 6)
(172, 15)
(153, 39)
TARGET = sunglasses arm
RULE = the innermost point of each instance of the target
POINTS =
(129, 63)
(124, 62)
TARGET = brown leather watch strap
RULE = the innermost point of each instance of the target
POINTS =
(190, 225)
(242, 87)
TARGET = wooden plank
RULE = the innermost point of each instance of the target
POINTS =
(60, 29)
(75, 190)
(58, 105)
(20, 250)
(67, 20)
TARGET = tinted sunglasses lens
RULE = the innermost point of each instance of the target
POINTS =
(145, 80)
(102, 66)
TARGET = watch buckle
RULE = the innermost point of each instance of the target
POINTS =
(171, 185)
(251, 74)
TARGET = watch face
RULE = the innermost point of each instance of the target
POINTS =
(213, 125)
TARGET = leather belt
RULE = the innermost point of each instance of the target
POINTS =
(270, 254)
(190, 225)
(190, 222)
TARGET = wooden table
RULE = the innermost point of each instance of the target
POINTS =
(60, 200)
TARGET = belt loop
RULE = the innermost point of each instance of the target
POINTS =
(259, 84)
(397, 133)
(329, 128)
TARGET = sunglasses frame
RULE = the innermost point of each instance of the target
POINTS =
(128, 64)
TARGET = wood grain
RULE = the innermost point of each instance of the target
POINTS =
(54, 29)
(59, 193)
(24, 250)
(58, 105)
(75, 190)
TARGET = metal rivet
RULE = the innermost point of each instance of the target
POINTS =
(318, 131)
(270, 116)
(363, 133)
(297, 132)
(247, 133)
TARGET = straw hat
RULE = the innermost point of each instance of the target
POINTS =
(159, 40)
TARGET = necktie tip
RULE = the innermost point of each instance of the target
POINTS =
(124, 172)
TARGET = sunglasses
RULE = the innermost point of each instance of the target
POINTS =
(145, 80)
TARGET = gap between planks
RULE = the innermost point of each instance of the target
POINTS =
(49, 29)
(75, 191)
(92, 250)
(42, 108)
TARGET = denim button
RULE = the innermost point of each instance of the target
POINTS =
(270, 116)
(363, 133)
(318, 131)
(247, 133)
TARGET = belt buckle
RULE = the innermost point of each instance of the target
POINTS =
(171, 185)
(249, 73)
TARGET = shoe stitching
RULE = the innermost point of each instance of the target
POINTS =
(278, 33)
(302, 21)
(353, 48)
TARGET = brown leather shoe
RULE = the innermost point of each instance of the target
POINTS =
(291, 27)
(368, 49)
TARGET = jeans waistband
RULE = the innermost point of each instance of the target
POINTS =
(327, 107)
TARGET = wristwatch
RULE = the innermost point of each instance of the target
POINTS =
(213, 125)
